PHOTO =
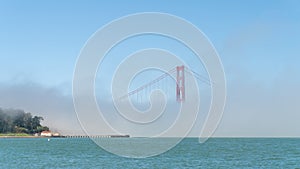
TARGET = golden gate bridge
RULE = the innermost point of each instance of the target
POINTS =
(157, 82)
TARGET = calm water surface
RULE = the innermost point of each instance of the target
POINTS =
(215, 153)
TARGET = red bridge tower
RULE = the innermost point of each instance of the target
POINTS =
(180, 93)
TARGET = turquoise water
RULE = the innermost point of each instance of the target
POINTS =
(215, 153)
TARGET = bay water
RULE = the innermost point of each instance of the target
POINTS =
(215, 153)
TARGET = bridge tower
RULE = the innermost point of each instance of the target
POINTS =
(180, 87)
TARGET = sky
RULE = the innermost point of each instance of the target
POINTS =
(257, 41)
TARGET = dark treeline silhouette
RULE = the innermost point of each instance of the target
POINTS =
(17, 121)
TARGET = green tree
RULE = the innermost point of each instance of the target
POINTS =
(17, 121)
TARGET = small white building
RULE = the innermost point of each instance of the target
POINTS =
(55, 134)
(46, 134)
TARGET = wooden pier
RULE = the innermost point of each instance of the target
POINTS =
(96, 136)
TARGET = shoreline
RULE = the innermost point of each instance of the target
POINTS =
(127, 136)
(27, 137)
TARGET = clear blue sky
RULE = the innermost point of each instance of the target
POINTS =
(258, 43)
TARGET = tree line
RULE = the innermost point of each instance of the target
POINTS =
(18, 121)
